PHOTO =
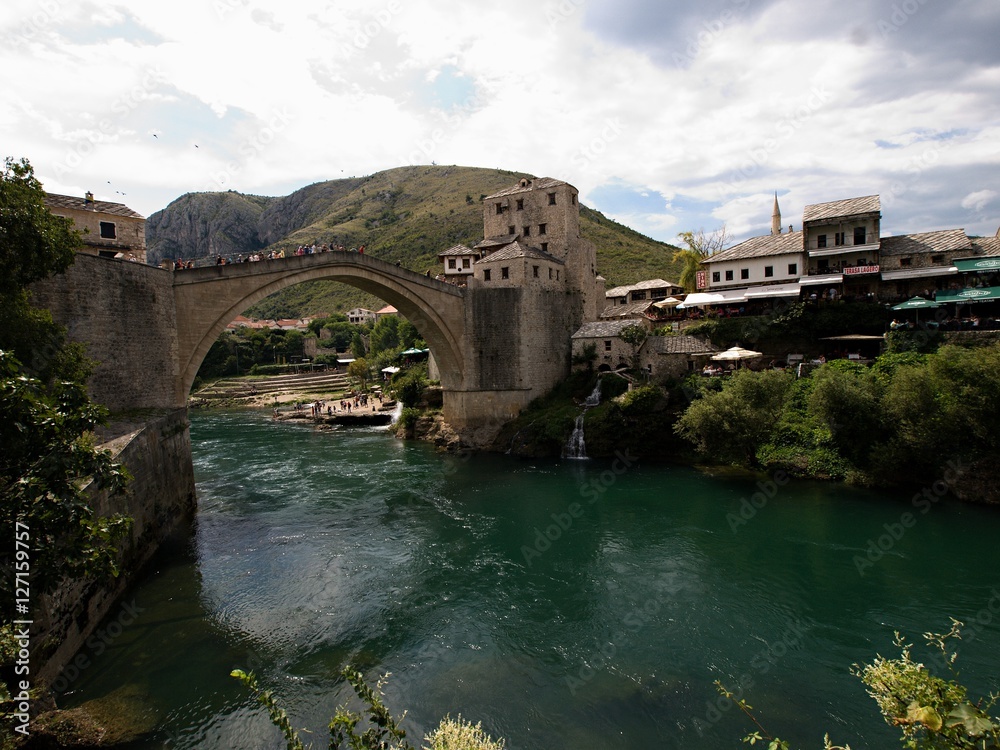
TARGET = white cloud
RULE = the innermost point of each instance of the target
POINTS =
(722, 104)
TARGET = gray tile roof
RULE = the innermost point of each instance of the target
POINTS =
(941, 241)
(760, 247)
(628, 310)
(515, 249)
(53, 200)
(835, 209)
(539, 183)
(678, 345)
(603, 329)
(498, 241)
(621, 291)
(457, 250)
(987, 246)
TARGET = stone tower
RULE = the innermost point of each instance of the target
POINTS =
(776, 217)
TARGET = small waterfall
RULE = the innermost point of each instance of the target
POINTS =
(396, 414)
(575, 447)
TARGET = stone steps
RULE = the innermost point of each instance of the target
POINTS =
(241, 387)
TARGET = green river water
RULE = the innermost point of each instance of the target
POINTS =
(565, 604)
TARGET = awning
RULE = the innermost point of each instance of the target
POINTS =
(829, 278)
(390, 370)
(413, 352)
(668, 302)
(345, 361)
(720, 297)
(918, 273)
(977, 264)
(774, 290)
(966, 296)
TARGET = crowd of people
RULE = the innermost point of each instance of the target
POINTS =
(225, 260)
(347, 405)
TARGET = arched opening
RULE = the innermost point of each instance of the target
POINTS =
(209, 299)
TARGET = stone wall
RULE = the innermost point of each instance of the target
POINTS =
(161, 501)
(124, 313)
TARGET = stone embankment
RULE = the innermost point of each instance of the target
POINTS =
(255, 391)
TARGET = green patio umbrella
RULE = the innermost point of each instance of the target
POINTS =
(917, 303)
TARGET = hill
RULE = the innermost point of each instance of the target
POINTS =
(404, 215)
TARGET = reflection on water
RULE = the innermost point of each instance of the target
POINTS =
(562, 604)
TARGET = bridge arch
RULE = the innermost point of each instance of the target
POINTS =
(208, 299)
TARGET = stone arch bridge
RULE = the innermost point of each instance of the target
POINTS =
(208, 299)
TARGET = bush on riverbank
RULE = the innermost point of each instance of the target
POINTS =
(910, 418)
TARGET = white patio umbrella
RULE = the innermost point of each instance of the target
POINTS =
(736, 354)
(668, 302)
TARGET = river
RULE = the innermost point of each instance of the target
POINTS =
(565, 604)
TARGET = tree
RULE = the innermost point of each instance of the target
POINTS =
(699, 247)
(634, 335)
(385, 334)
(358, 370)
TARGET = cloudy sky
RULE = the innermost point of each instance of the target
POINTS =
(668, 115)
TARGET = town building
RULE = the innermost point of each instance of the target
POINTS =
(458, 261)
(360, 316)
(383, 312)
(110, 230)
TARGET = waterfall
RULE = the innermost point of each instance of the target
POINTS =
(575, 447)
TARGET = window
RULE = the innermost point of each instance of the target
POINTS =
(557, 274)
(108, 230)
(821, 241)
(859, 235)
(520, 204)
(838, 238)
(542, 228)
(499, 208)
(607, 346)
(768, 272)
(744, 273)
(526, 231)
(486, 274)
(824, 265)
(545, 247)
(552, 199)
(505, 272)
(550, 274)
(906, 261)
(793, 268)
(534, 271)
(451, 263)
(466, 263)
(937, 259)
(639, 295)
(716, 277)
(573, 201)
(729, 275)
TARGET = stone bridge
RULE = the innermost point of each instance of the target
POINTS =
(208, 299)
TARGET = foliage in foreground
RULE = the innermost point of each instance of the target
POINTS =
(931, 712)
(382, 732)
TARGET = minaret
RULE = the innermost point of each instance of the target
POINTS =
(776, 217)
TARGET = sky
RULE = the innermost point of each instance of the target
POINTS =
(667, 115)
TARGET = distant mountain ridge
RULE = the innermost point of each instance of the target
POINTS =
(405, 215)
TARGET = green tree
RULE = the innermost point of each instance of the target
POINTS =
(359, 371)
(358, 346)
(847, 399)
(634, 335)
(385, 334)
(732, 424)
(699, 247)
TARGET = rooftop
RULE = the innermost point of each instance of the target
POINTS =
(760, 247)
(603, 329)
(540, 183)
(835, 209)
(941, 241)
(631, 309)
(514, 249)
(678, 345)
(54, 200)
(457, 250)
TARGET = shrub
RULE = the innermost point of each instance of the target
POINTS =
(456, 734)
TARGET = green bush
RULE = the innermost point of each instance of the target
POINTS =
(641, 400)
(456, 734)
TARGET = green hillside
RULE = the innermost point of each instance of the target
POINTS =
(405, 215)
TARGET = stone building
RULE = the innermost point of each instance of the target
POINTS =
(457, 262)
(110, 230)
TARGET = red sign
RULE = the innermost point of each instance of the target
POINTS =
(701, 279)
(857, 270)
